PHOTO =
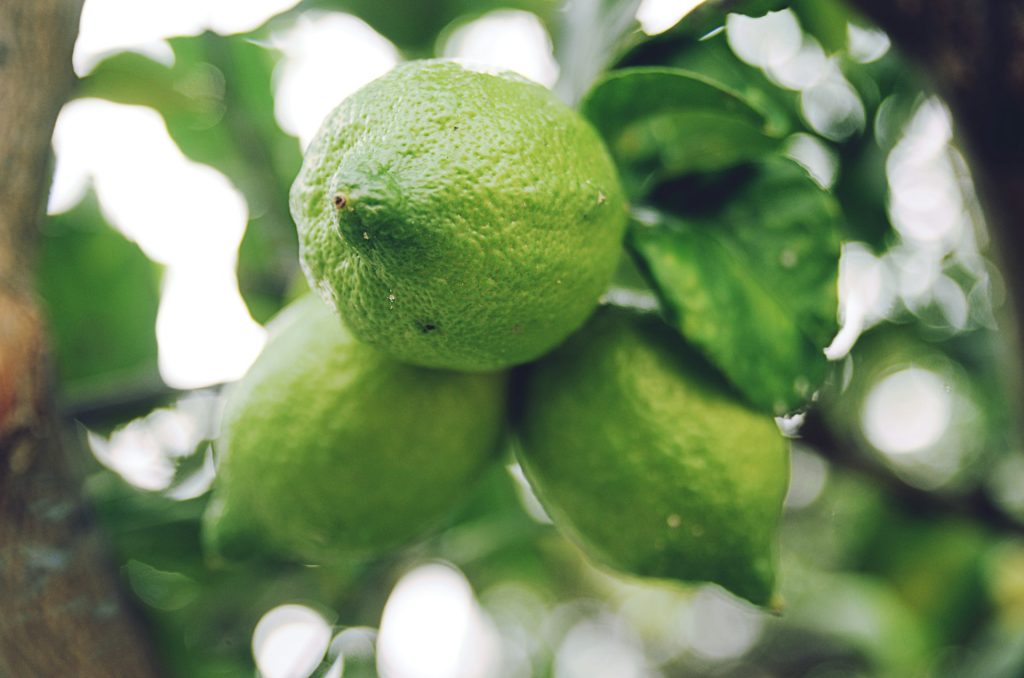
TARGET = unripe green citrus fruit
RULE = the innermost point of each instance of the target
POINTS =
(457, 218)
(331, 451)
(646, 460)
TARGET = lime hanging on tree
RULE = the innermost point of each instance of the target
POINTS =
(331, 451)
(645, 458)
(458, 218)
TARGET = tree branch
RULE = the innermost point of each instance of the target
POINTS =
(975, 504)
(62, 613)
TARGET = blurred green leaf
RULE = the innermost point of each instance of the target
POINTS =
(824, 19)
(864, 613)
(160, 589)
(102, 294)
(665, 122)
(218, 104)
(751, 281)
(919, 557)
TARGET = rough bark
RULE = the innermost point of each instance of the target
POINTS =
(61, 608)
(973, 50)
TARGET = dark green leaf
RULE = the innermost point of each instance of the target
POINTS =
(102, 295)
(665, 122)
(752, 281)
(713, 58)
(218, 104)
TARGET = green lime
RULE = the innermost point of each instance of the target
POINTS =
(331, 451)
(456, 218)
(649, 462)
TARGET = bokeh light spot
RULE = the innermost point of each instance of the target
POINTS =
(509, 40)
(290, 641)
(907, 411)
(432, 627)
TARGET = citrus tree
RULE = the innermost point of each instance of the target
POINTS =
(700, 360)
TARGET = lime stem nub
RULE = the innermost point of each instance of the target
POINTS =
(340, 200)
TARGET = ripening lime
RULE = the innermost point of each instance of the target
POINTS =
(331, 451)
(649, 462)
(457, 218)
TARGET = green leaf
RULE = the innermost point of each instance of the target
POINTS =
(665, 122)
(102, 294)
(751, 281)
(824, 19)
(218, 104)
(161, 589)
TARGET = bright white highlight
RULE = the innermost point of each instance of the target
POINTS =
(355, 648)
(600, 648)
(203, 328)
(865, 296)
(657, 16)
(432, 627)
(805, 68)
(866, 44)
(289, 642)
(184, 215)
(109, 26)
(327, 56)
(764, 41)
(808, 476)
(908, 411)
(721, 627)
(818, 159)
(833, 108)
(507, 39)
(776, 44)
(527, 497)
(146, 451)
(926, 199)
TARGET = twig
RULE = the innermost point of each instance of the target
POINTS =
(976, 504)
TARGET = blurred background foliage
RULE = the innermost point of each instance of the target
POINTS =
(780, 144)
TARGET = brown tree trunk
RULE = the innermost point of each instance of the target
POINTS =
(62, 612)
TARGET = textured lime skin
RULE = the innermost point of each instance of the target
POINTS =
(644, 459)
(330, 451)
(458, 219)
